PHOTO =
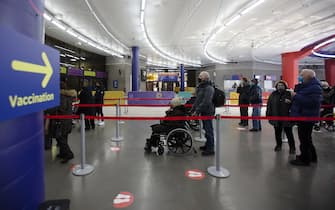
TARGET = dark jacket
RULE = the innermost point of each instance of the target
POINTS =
(85, 97)
(99, 96)
(279, 106)
(65, 108)
(166, 126)
(176, 111)
(255, 95)
(307, 101)
(204, 102)
(244, 94)
(328, 95)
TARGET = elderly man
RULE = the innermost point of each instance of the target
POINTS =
(204, 106)
(306, 103)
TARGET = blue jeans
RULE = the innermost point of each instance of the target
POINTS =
(208, 127)
(256, 124)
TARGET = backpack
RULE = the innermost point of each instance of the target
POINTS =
(219, 97)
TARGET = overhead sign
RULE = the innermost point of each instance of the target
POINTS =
(29, 75)
(123, 200)
(195, 174)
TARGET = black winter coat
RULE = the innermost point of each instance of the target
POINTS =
(86, 97)
(244, 94)
(278, 105)
(167, 125)
(65, 108)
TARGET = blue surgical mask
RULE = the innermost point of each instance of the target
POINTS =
(300, 79)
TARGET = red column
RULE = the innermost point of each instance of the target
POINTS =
(290, 68)
(330, 71)
(290, 65)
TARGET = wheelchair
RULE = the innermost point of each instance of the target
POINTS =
(178, 140)
(327, 125)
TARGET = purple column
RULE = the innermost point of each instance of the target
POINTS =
(22, 139)
(135, 68)
(182, 77)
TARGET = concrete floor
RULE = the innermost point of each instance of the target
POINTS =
(260, 178)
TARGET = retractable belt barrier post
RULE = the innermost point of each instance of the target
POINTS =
(200, 138)
(82, 169)
(117, 136)
(125, 107)
(120, 121)
(217, 170)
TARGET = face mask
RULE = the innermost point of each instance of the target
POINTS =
(199, 80)
(300, 79)
(281, 89)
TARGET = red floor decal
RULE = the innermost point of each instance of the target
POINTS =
(123, 200)
(115, 149)
(195, 174)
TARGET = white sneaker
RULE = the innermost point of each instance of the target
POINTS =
(101, 123)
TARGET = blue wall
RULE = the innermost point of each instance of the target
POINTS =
(21, 139)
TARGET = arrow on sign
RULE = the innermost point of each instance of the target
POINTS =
(34, 68)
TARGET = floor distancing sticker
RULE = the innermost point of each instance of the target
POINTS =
(115, 149)
(123, 200)
(195, 174)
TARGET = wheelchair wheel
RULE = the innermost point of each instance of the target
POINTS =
(179, 141)
(329, 125)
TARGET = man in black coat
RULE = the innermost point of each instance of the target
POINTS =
(85, 97)
(99, 99)
(243, 99)
(279, 104)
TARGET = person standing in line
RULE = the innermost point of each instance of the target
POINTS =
(85, 97)
(204, 106)
(243, 99)
(256, 102)
(99, 99)
(306, 103)
(60, 129)
(279, 104)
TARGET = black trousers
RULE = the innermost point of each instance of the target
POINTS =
(244, 112)
(289, 134)
(98, 112)
(64, 149)
(307, 148)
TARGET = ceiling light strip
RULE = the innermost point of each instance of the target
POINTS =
(79, 36)
(322, 45)
(219, 29)
(155, 48)
(103, 26)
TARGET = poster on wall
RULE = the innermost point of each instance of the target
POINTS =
(115, 83)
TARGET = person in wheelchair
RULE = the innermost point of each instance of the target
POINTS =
(327, 94)
(165, 126)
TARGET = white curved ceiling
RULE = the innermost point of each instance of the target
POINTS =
(181, 27)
